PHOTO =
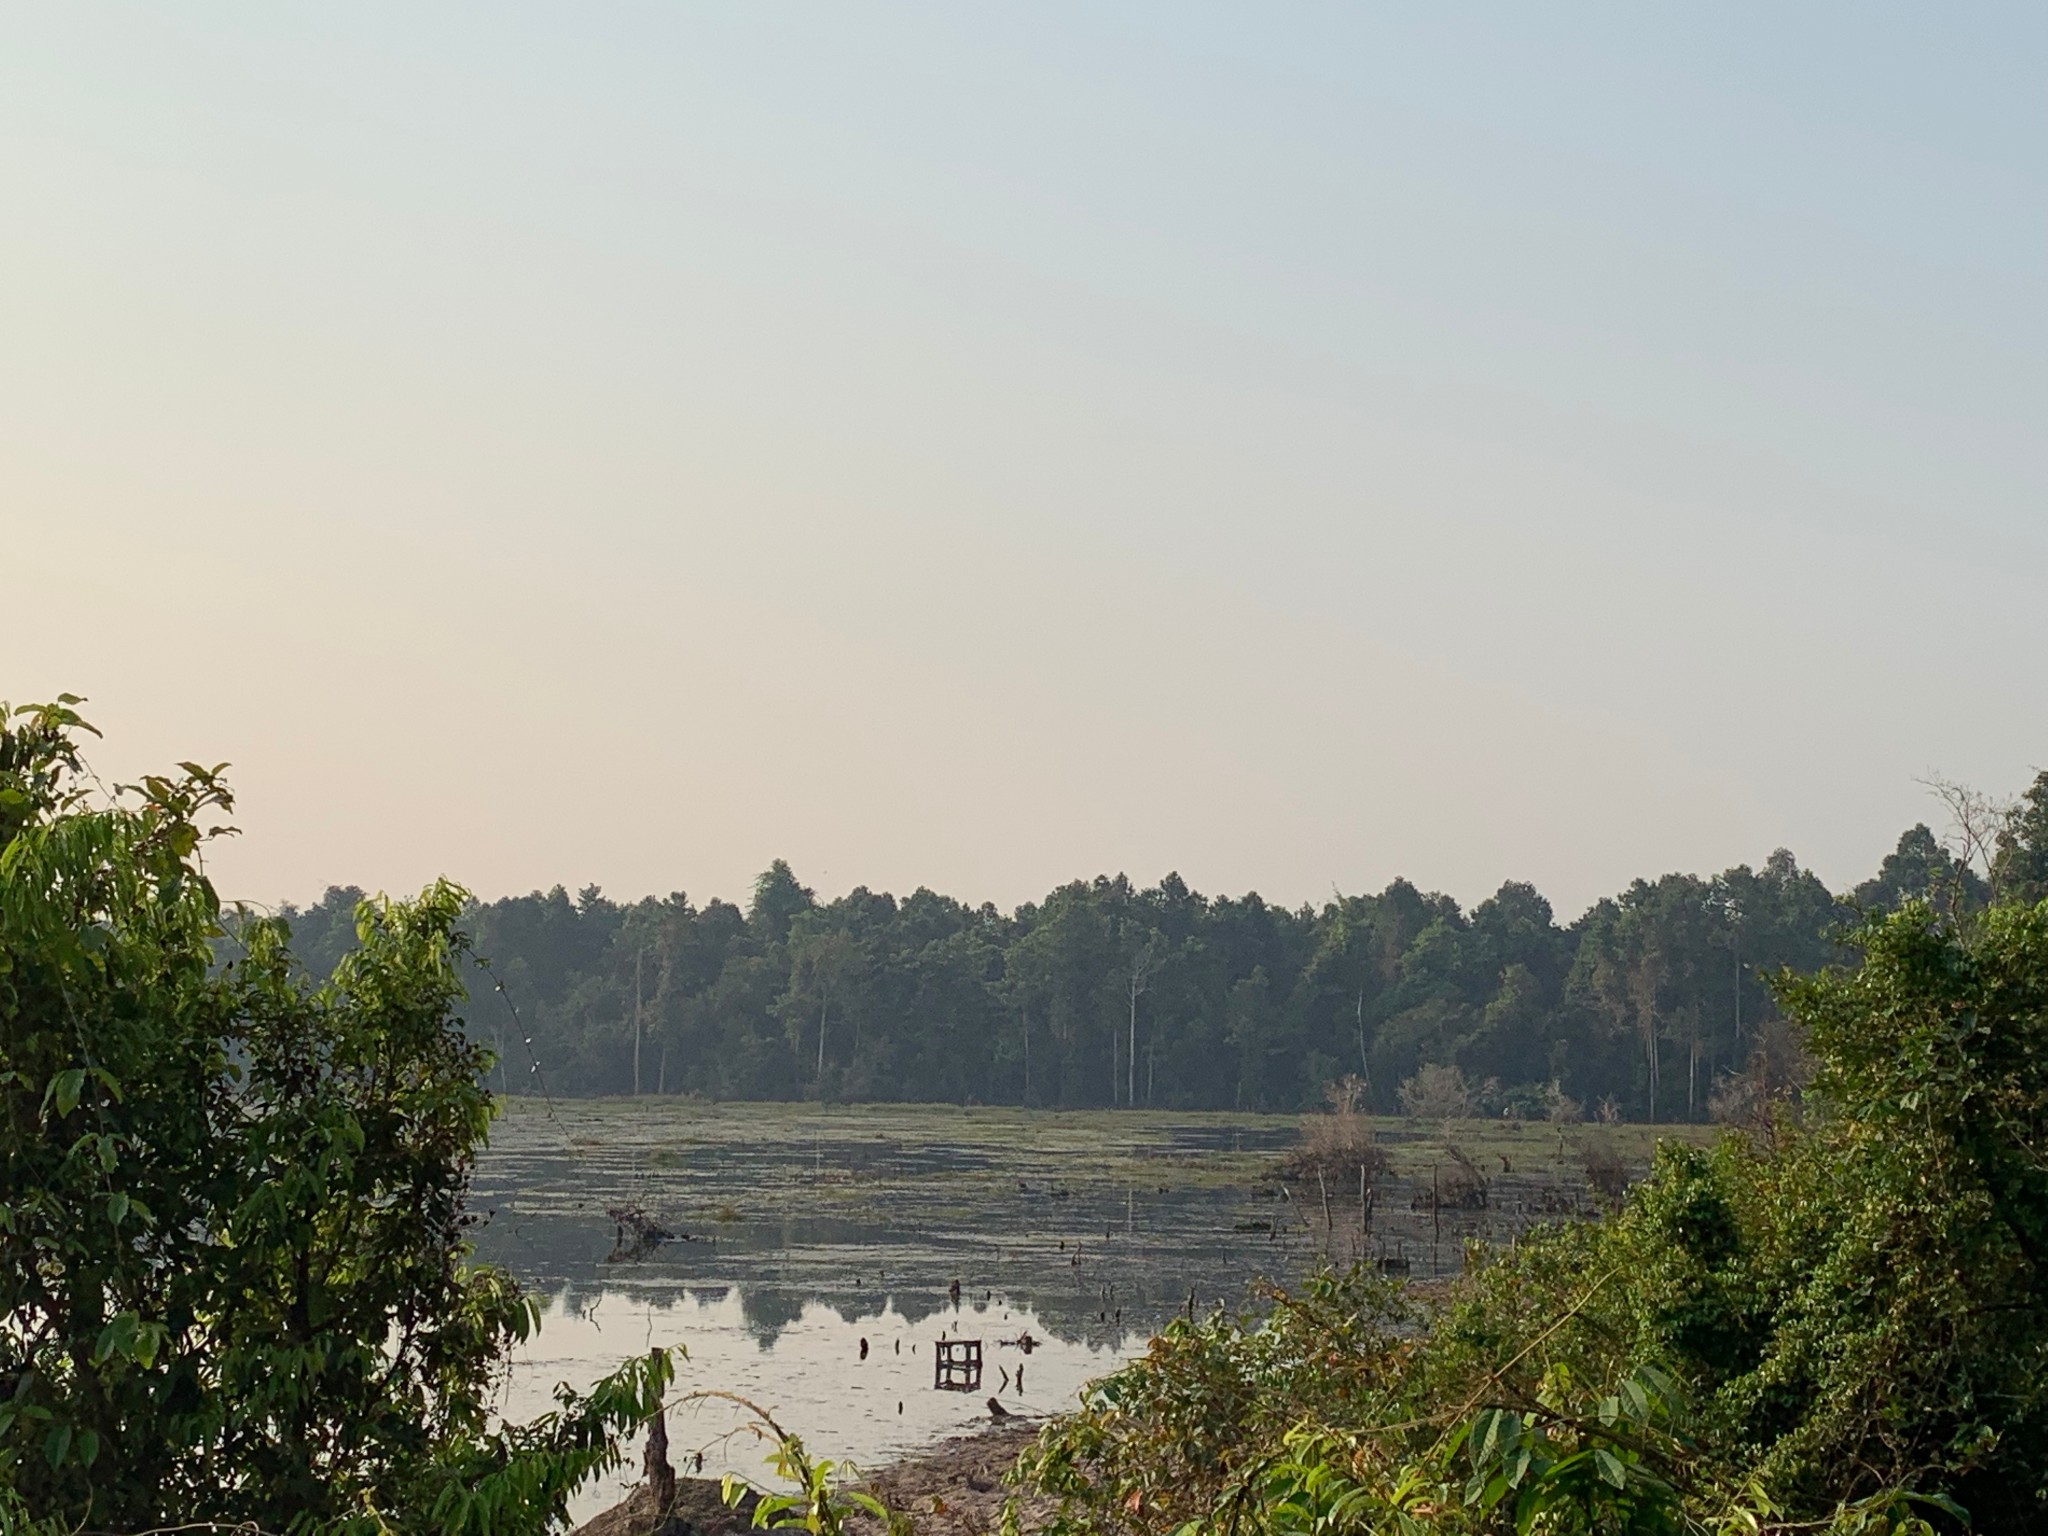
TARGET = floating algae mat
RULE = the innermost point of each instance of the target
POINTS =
(771, 1240)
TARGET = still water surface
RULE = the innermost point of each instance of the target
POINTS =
(800, 1231)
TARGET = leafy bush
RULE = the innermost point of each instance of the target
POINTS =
(1842, 1326)
(233, 1269)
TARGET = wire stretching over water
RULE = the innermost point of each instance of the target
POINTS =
(519, 1028)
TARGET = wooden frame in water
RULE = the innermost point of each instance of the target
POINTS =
(956, 1365)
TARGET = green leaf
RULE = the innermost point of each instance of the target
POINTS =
(117, 1207)
(1611, 1469)
(1516, 1466)
(1632, 1395)
(1660, 1382)
(116, 1338)
(66, 1088)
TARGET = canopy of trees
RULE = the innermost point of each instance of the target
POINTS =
(1109, 994)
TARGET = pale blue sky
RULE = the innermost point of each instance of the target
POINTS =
(976, 446)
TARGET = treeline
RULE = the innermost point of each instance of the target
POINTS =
(1109, 994)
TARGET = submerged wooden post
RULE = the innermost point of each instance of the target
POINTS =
(1436, 1219)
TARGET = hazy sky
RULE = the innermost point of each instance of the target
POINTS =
(981, 445)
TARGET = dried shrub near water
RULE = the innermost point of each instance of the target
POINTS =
(1606, 1172)
(1436, 1092)
(1338, 1145)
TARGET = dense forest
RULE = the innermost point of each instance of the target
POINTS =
(1109, 994)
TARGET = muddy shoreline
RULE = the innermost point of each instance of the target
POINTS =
(955, 1488)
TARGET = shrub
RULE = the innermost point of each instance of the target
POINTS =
(1339, 1145)
(233, 1269)
(1436, 1092)
(1606, 1171)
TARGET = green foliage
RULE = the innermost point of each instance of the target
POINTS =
(233, 1269)
(818, 1495)
(1842, 1327)
(1920, 869)
(1535, 1464)
(2019, 871)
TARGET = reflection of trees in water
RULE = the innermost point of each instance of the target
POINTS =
(768, 1311)
(564, 1258)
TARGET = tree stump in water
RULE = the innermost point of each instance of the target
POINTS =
(660, 1476)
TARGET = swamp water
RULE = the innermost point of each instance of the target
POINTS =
(798, 1231)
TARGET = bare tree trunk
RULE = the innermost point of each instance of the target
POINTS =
(660, 1475)
(1738, 990)
(1131, 1057)
(1144, 966)
(639, 955)
(823, 1008)
(1650, 1030)
(1643, 987)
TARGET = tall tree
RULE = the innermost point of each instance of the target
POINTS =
(778, 898)
(2019, 870)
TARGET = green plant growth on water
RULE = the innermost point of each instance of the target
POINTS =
(1837, 1322)
(234, 1271)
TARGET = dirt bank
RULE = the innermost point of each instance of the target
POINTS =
(955, 1488)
